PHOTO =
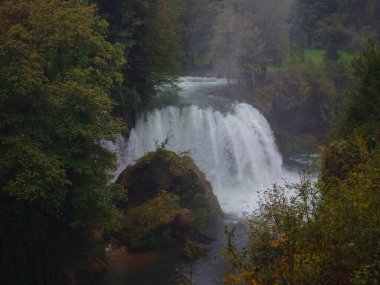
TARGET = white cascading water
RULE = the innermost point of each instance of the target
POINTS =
(236, 149)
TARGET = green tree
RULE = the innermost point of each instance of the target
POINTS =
(323, 23)
(309, 13)
(225, 42)
(56, 73)
(248, 36)
(327, 233)
(349, 215)
(361, 108)
(251, 58)
(197, 18)
(271, 17)
(149, 29)
(332, 35)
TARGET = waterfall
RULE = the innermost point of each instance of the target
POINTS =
(236, 150)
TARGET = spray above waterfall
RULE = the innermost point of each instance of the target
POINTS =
(236, 149)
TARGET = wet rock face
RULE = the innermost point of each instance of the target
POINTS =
(169, 198)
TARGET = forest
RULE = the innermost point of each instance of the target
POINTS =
(137, 126)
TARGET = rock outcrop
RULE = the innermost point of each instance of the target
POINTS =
(169, 200)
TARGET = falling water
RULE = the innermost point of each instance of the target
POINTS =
(236, 149)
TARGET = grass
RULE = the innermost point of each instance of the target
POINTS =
(347, 56)
(318, 55)
(315, 55)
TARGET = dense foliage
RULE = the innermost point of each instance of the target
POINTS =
(72, 72)
(149, 30)
(337, 24)
(241, 38)
(247, 37)
(56, 73)
(326, 233)
(63, 75)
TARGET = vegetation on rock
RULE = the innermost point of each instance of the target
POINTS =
(169, 200)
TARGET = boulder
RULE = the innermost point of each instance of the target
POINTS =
(169, 199)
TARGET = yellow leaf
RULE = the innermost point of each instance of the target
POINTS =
(233, 278)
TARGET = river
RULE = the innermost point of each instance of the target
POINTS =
(231, 142)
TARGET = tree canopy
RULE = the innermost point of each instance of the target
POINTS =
(56, 73)
(150, 33)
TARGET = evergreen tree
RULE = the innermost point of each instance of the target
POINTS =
(361, 108)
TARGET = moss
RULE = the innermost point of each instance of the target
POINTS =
(168, 198)
(147, 224)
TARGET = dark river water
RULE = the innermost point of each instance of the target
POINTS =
(168, 266)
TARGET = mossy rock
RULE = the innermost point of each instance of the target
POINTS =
(169, 199)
